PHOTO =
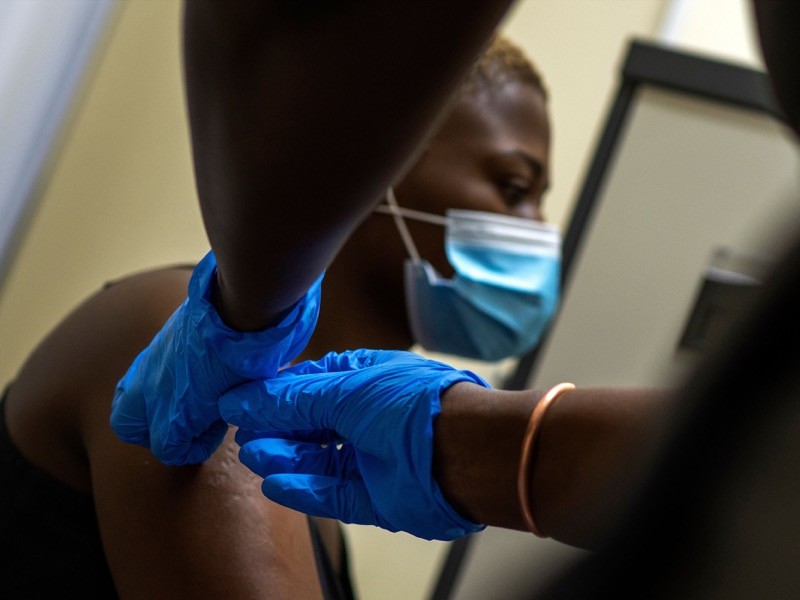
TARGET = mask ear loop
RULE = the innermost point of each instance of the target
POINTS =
(401, 225)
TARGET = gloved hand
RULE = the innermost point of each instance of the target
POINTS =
(168, 399)
(381, 405)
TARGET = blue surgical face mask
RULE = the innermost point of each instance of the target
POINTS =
(505, 290)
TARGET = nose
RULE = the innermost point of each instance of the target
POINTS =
(529, 210)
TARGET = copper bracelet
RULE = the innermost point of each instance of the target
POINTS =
(528, 445)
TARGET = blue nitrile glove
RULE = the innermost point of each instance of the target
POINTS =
(168, 399)
(381, 404)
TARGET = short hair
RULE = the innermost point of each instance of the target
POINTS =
(502, 62)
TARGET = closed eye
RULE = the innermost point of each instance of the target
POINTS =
(514, 190)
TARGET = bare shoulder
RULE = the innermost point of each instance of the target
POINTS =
(201, 530)
(66, 384)
(198, 530)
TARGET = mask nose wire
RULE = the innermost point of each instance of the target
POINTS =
(401, 225)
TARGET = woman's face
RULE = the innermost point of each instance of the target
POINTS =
(490, 154)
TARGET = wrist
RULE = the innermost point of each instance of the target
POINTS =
(247, 354)
(477, 441)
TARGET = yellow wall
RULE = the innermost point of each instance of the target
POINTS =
(121, 196)
(579, 46)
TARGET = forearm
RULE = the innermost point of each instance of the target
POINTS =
(593, 449)
(301, 118)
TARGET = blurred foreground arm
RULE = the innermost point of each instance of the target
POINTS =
(301, 114)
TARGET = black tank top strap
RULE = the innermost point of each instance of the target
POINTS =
(335, 586)
(51, 531)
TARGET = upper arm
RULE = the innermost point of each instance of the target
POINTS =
(200, 531)
(196, 531)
